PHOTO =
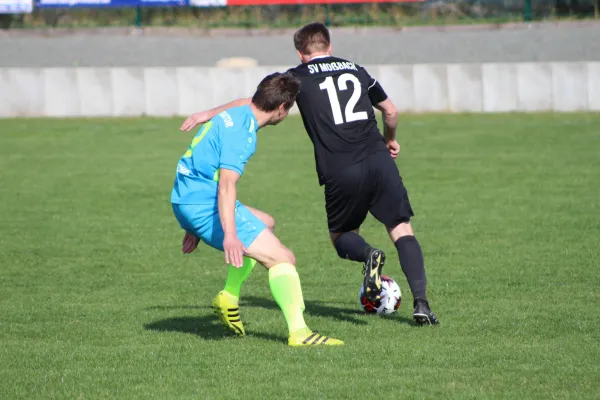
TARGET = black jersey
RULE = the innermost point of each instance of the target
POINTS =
(336, 103)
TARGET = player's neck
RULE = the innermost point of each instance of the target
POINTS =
(318, 54)
(262, 118)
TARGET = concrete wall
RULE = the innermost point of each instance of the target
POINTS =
(156, 91)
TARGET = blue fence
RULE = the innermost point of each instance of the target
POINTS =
(109, 3)
(217, 13)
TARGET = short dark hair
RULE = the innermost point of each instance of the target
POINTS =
(276, 89)
(312, 38)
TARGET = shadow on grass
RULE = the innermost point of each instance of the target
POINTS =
(188, 307)
(315, 308)
(210, 328)
(207, 327)
(320, 309)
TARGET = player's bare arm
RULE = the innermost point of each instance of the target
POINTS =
(232, 246)
(390, 124)
(204, 116)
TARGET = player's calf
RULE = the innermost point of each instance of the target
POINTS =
(350, 245)
(413, 266)
(285, 287)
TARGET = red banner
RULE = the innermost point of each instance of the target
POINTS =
(300, 2)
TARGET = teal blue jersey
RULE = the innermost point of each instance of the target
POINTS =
(226, 141)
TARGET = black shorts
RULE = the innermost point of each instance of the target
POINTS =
(371, 185)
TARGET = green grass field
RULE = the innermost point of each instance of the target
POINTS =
(97, 301)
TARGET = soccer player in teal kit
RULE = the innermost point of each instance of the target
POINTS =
(205, 204)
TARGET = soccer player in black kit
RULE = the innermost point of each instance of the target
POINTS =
(354, 161)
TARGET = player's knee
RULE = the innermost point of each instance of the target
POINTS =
(269, 251)
(291, 257)
(269, 222)
(265, 218)
(285, 255)
(400, 230)
(280, 256)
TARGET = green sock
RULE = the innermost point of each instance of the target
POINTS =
(285, 287)
(237, 276)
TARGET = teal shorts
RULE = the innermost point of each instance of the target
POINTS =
(204, 222)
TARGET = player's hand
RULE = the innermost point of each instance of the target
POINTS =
(190, 242)
(234, 250)
(394, 148)
(195, 119)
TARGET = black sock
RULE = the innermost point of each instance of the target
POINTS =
(352, 246)
(413, 266)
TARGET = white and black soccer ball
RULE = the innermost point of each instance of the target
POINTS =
(390, 300)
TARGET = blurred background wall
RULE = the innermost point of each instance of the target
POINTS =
(172, 57)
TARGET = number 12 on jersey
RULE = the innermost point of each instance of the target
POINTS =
(342, 83)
